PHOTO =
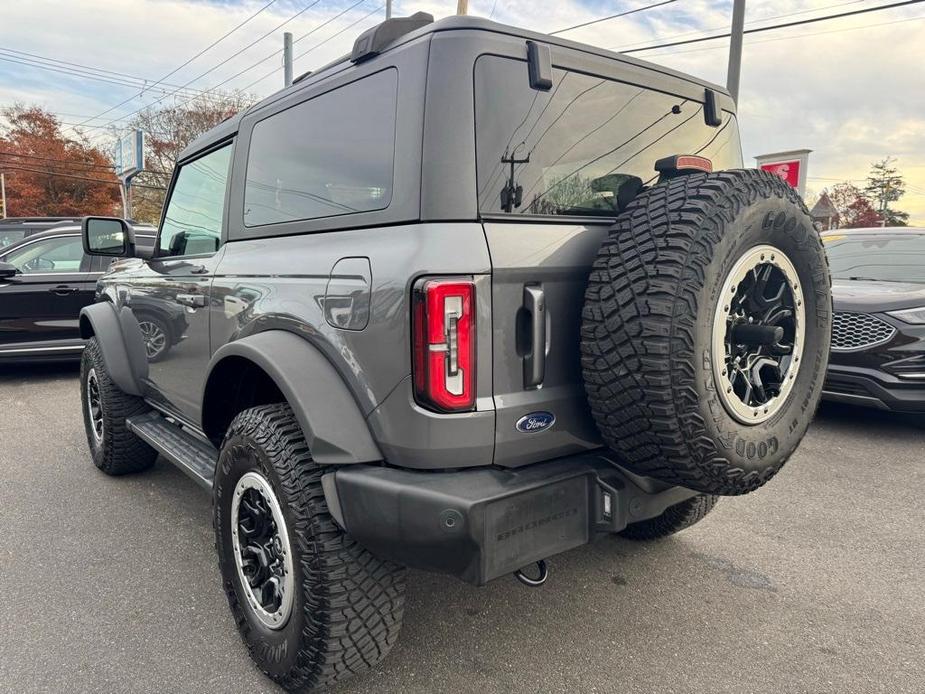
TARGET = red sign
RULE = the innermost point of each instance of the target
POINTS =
(787, 170)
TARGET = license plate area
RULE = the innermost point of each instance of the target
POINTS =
(536, 524)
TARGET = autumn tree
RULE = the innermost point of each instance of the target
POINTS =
(50, 174)
(854, 207)
(886, 185)
(168, 130)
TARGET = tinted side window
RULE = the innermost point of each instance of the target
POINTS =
(62, 254)
(193, 220)
(10, 236)
(574, 147)
(331, 155)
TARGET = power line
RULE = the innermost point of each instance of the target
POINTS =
(79, 178)
(613, 16)
(77, 72)
(749, 23)
(790, 38)
(232, 56)
(86, 164)
(303, 36)
(42, 60)
(321, 43)
(800, 22)
(177, 69)
(68, 162)
(320, 26)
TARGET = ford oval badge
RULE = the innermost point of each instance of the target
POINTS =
(535, 421)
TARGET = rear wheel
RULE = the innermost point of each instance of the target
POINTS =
(674, 519)
(705, 331)
(115, 449)
(311, 605)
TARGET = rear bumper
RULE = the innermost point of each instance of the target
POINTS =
(873, 388)
(484, 523)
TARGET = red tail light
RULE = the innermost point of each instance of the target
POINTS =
(444, 344)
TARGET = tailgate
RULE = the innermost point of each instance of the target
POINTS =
(539, 273)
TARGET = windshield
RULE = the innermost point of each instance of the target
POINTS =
(885, 257)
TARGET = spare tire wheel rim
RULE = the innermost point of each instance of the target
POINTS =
(262, 553)
(758, 334)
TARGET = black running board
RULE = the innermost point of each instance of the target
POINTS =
(195, 457)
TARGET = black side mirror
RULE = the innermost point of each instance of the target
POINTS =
(7, 271)
(107, 236)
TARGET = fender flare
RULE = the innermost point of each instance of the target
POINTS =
(331, 420)
(121, 343)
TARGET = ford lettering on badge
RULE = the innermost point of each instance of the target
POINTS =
(535, 421)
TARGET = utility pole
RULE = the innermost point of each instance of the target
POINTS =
(735, 49)
(3, 194)
(462, 6)
(388, 9)
(287, 59)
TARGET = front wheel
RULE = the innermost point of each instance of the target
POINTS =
(115, 449)
(311, 605)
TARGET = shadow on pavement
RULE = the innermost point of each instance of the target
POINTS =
(38, 371)
(851, 415)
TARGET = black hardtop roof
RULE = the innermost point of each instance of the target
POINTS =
(454, 23)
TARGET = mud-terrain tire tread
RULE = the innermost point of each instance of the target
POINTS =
(121, 451)
(674, 519)
(353, 602)
(637, 336)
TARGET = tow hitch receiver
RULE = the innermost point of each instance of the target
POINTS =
(543, 570)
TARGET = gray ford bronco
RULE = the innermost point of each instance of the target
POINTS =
(462, 300)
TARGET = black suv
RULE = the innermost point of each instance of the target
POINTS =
(465, 299)
(46, 278)
(878, 335)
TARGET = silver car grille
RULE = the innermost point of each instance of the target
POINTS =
(854, 331)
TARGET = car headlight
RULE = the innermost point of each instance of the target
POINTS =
(910, 315)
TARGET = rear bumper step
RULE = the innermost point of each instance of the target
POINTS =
(485, 523)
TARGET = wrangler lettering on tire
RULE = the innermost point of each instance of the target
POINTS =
(706, 329)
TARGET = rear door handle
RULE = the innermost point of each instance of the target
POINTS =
(192, 300)
(63, 290)
(535, 358)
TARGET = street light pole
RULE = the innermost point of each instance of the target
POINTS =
(287, 59)
(735, 49)
(3, 193)
(388, 9)
(462, 6)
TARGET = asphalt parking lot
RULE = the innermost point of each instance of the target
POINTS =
(812, 584)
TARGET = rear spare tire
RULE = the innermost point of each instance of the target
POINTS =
(706, 328)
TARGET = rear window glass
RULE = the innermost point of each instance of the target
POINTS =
(332, 155)
(885, 257)
(11, 236)
(574, 148)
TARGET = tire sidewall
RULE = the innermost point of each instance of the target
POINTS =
(777, 221)
(274, 650)
(90, 360)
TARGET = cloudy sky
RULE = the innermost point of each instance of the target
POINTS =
(850, 89)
